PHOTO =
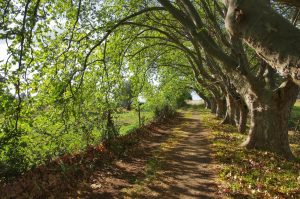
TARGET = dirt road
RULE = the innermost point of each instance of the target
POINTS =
(174, 161)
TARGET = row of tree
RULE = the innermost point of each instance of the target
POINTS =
(261, 78)
(68, 64)
(250, 69)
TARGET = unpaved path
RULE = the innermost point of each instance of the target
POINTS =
(173, 162)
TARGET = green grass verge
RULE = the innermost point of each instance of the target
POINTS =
(129, 121)
(251, 173)
(294, 122)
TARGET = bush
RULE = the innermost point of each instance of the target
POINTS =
(164, 112)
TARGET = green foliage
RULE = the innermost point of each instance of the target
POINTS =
(128, 121)
(164, 112)
(66, 107)
(61, 89)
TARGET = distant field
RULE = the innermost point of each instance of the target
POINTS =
(129, 121)
(194, 102)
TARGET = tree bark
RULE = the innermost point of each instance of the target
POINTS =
(207, 105)
(205, 99)
(213, 109)
(242, 116)
(295, 3)
(221, 108)
(273, 37)
(269, 121)
(230, 111)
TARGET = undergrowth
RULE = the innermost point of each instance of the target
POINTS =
(251, 173)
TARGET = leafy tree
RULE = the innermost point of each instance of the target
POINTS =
(72, 65)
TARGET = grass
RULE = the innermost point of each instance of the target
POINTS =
(50, 141)
(128, 121)
(295, 116)
(251, 173)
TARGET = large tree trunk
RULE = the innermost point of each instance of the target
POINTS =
(221, 108)
(213, 105)
(273, 38)
(269, 121)
(205, 99)
(242, 116)
(230, 110)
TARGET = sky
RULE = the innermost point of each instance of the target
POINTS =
(3, 54)
(195, 96)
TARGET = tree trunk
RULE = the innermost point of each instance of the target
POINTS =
(242, 117)
(207, 105)
(269, 121)
(230, 111)
(295, 3)
(273, 37)
(213, 104)
(205, 99)
(221, 108)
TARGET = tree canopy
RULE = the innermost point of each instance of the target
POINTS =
(71, 66)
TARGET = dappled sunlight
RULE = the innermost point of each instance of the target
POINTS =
(251, 173)
(149, 99)
(186, 167)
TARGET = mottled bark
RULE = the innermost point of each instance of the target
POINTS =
(205, 99)
(242, 116)
(273, 37)
(213, 109)
(269, 116)
(230, 111)
(221, 107)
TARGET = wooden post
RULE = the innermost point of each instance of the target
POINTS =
(139, 113)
